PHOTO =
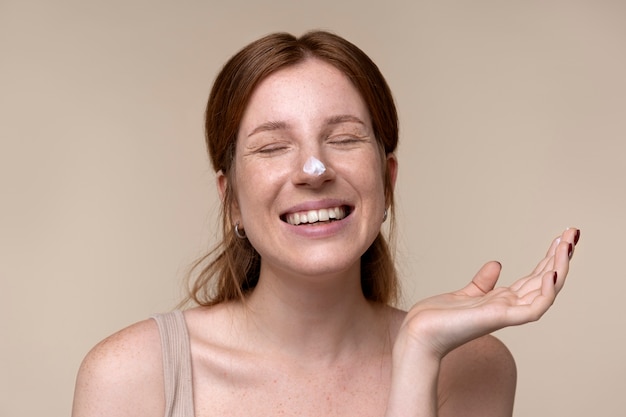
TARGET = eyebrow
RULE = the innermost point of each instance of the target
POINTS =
(282, 125)
(268, 127)
(344, 118)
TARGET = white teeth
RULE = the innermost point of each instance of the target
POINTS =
(313, 216)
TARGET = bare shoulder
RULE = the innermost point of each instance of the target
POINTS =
(478, 379)
(122, 375)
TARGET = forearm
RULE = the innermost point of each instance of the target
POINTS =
(414, 381)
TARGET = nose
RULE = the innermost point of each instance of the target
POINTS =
(314, 166)
(312, 172)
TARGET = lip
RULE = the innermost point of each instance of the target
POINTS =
(318, 230)
(316, 205)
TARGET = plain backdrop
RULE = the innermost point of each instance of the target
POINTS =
(513, 127)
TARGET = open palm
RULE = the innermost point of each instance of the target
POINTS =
(444, 322)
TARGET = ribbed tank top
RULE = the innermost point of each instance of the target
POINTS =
(176, 364)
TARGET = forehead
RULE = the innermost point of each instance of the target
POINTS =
(308, 91)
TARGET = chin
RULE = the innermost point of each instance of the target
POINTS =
(325, 267)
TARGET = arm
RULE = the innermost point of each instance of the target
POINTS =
(436, 326)
(122, 376)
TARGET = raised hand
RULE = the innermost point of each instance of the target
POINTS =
(439, 324)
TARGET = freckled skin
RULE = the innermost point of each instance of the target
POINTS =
(300, 112)
(306, 342)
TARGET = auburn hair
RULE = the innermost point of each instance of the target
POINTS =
(231, 269)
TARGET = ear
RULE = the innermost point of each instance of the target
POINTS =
(391, 174)
(222, 184)
(232, 212)
(392, 168)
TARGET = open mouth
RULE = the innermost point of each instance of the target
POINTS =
(321, 216)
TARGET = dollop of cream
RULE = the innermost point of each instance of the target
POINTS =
(314, 166)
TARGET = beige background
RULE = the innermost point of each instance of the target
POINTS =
(513, 118)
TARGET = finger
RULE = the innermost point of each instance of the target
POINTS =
(562, 258)
(484, 280)
(529, 296)
(522, 283)
(543, 265)
(546, 264)
(576, 237)
(535, 304)
(571, 235)
(534, 281)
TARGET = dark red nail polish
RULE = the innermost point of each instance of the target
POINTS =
(577, 236)
(554, 277)
(570, 251)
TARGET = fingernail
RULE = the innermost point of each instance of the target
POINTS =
(570, 251)
(577, 236)
(554, 277)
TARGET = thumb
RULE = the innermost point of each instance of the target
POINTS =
(485, 279)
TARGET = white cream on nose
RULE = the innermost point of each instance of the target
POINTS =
(313, 166)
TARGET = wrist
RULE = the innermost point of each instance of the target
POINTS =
(418, 343)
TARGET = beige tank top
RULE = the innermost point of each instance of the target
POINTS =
(176, 364)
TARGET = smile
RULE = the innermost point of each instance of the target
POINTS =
(316, 216)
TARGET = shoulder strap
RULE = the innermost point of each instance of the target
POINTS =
(176, 364)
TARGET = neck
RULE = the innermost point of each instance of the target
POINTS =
(321, 318)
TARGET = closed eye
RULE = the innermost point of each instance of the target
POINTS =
(347, 140)
(273, 149)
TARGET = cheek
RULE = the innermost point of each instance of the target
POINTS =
(366, 170)
(258, 183)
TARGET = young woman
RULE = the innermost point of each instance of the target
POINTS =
(295, 308)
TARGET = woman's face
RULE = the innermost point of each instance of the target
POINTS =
(308, 223)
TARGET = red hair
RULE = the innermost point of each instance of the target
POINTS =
(234, 264)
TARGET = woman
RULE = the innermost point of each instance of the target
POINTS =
(295, 308)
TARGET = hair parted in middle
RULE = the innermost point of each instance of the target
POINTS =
(234, 263)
